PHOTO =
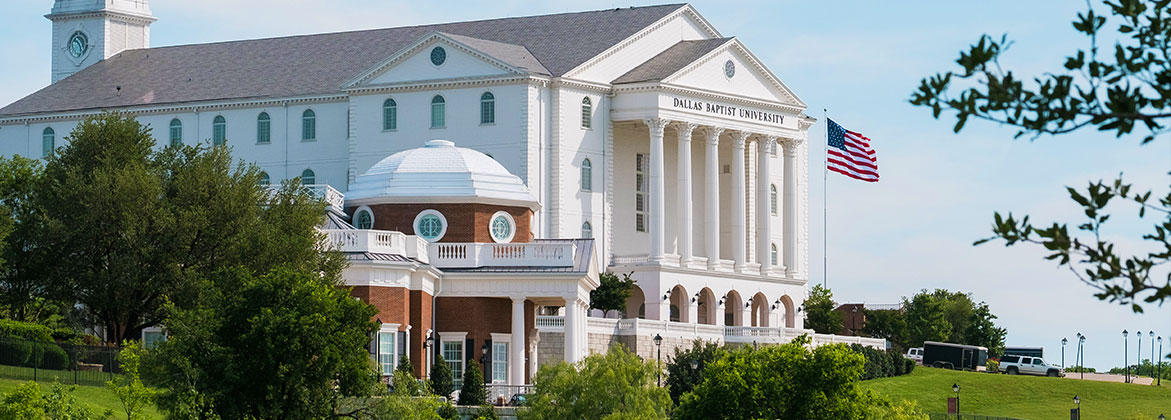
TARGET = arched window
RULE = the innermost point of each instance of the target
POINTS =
(219, 130)
(363, 218)
(587, 113)
(389, 115)
(438, 112)
(487, 108)
(773, 254)
(265, 180)
(308, 125)
(308, 177)
(587, 231)
(48, 141)
(587, 175)
(176, 132)
(263, 128)
(772, 198)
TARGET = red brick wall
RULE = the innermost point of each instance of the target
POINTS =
(480, 317)
(391, 303)
(420, 322)
(466, 222)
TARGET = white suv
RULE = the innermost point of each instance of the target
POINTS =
(1026, 365)
(915, 354)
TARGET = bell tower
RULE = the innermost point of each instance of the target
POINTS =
(88, 31)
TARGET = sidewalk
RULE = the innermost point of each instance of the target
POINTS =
(1107, 377)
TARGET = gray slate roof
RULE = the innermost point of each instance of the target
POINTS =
(670, 60)
(320, 64)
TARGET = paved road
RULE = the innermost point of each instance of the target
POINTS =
(1106, 377)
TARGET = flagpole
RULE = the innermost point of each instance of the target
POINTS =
(824, 204)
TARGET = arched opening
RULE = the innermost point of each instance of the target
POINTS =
(707, 307)
(790, 311)
(760, 308)
(680, 301)
(733, 309)
(635, 304)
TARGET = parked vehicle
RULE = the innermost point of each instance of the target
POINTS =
(915, 354)
(954, 356)
(1025, 351)
(1028, 365)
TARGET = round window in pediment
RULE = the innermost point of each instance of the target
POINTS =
(729, 69)
(502, 227)
(430, 225)
(438, 56)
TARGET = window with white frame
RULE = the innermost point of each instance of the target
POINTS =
(364, 218)
(219, 130)
(587, 175)
(499, 362)
(265, 180)
(640, 191)
(176, 132)
(772, 198)
(438, 112)
(487, 108)
(308, 125)
(308, 177)
(153, 337)
(587, 231)
(389, 115)
(773, 254)
(587, 113)
(430, 225)
(386, 351)
(263, 128)
(502, 227)
(453, 354)
(48, 141)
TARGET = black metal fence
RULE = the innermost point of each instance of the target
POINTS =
(65, 363)
(939, 416)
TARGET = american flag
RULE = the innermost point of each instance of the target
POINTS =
(849, 154)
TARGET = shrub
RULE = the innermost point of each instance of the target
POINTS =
(993, 365)
(25, 330)
(882, 363)
(448, 412)
(15, 352)
(53, 357)
(472, 393)
(441, 381)
(910, 366)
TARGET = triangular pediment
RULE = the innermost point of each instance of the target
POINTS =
(745, 76)
(459, 57)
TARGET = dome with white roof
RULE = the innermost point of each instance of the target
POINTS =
(439, 172)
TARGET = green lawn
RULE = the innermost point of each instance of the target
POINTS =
(1025, 397)
(97, 399)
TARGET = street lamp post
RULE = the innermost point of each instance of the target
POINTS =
(1081, 339)
(1125, 362)
(854, 321)
(1138, 361)
(1078, 402)
(1160, 376)
(430, 342)
(1063, 341)
(956, 389)
(1152, 336)
(659, 358)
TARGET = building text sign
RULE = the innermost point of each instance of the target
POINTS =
(729, 111)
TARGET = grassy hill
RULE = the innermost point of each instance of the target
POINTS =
(1025, 397)
(97, 399)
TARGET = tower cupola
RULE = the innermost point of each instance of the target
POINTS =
(88, 31)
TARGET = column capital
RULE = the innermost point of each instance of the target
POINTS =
(790, 145)
(767, 144)
(518, 298)
(740, 137)
(711, 134)
(685, 129)
(656, 124)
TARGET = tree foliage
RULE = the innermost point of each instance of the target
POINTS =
(611, 386)
(789, 381)
(442, 383)
(287, 344)
(942, 315)
(888, 324)
(128, 386)
(26, 402)
(612, 293)
(681, 377)
(1118, 90)
(820, 315)
(472, 391)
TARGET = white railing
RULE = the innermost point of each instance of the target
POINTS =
(472, 255)
(728, 334)
(332, 197)
(362, 240)
(550, 322)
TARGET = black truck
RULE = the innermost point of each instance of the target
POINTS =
(954, 356)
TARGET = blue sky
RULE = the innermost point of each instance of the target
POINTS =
(860, 60)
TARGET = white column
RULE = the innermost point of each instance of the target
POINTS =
(692, 309)
(739, 213)
(711, 209)
(516, 351)
(789, 225)
(684, 171)
(572, 324)
(657, 224)
(764, 205)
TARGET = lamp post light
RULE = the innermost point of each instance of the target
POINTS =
(1078, 402)
(1152, 337)
(659, 358)
(1081, 339)
(430, 341)
(1125, 363)
(1159, 382)
(853, 321)
(484, 363)
(1138, 361)
(956, 389)
(1063, 341)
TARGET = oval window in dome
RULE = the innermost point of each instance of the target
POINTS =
(430, 225)
(502, 227)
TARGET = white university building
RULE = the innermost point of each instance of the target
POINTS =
(482, 174)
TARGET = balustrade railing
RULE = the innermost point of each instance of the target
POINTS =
(332, 197)
(730, 334)
(362, 240)
(471, 255)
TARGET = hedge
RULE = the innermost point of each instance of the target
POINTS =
(25, 330)
(28, 344)
(883, 363)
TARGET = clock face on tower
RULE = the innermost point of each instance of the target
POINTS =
(78, 44)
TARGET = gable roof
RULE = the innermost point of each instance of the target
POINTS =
(671, 60)
(319, 64)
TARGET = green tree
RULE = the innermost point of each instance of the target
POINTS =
(820, 315)
(288, 344)
(22, 266)
(128, 386)
(926, 319)
(789, 381)
(472, 391)
(1117, 90)
(612, 293)
(128, 227)
(983, 332)
(404, 365)
(611, 386)
(681, 376)
(888, 324)
(442, 383)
